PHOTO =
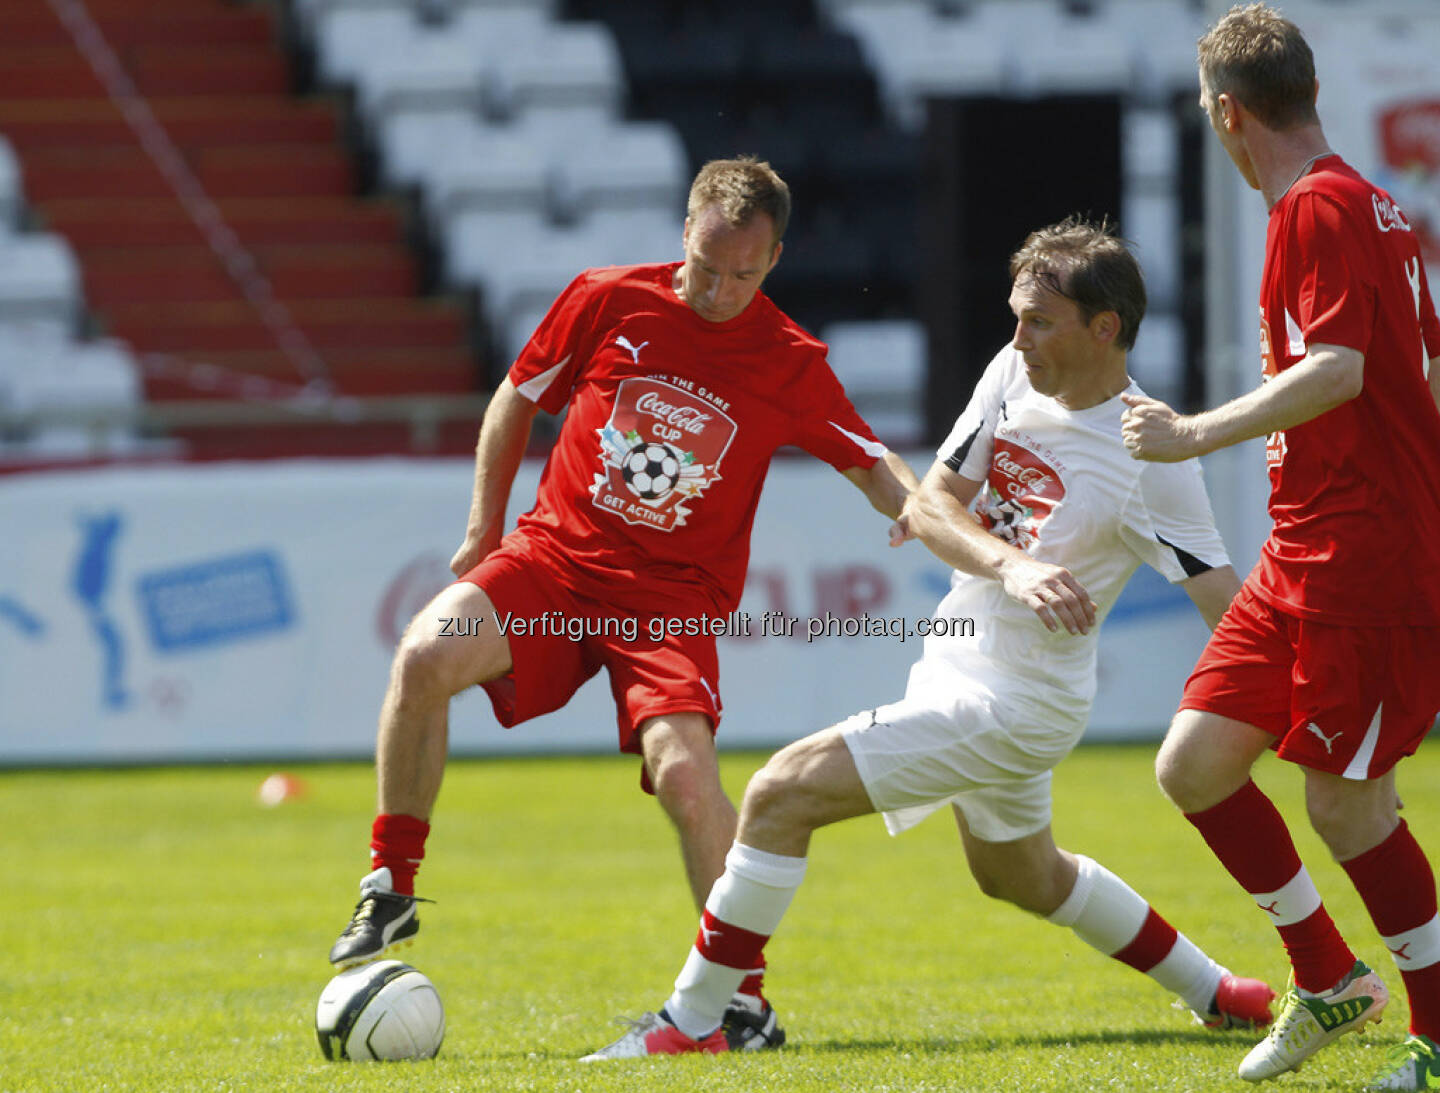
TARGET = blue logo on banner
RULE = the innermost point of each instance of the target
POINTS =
(90, 581)
(222, 600)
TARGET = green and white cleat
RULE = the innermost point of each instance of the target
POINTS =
(1305, 1025)
(1412, 1065)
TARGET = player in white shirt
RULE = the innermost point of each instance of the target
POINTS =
(1036, 503)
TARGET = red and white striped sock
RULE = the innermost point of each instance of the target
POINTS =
(1108, 915)
(744, 908)
(1398, 886)
(1249, 836)
(397, 843)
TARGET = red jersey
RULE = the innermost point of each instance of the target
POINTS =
(650, 492)
(1355, 492)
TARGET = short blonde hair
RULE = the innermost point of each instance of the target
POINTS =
(1261, 58)
(740, 188)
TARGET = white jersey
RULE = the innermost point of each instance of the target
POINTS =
(1060, 485)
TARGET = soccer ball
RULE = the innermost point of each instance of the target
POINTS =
(650, 470)
(385, 1010)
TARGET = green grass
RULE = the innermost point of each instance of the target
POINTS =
(166, 933)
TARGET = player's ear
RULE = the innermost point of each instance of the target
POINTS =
(1106, 326)
(1229, 111)
(775, 257)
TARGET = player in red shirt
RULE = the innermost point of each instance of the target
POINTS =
(681, 380)
(1327, 653)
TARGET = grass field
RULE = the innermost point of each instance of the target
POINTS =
(166, 933)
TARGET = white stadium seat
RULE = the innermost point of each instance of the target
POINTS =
(409, 142)
(39, 279)
(491, 168)
(430, 70)
(573, 64)
(638, 164)
(476, 240)
(350, 40)
(882, 365)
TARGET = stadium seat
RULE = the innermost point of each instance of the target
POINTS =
(39, 279)
(634, 165)
(882, 365)
(431, 70)
(410, 141)
(476, 239)
(1161, 35)
(1052, 51)
(349, 40)
(572, 64)
(489, 168)
(916, 54)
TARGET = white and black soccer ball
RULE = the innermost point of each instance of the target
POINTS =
(386, 1010)
(650, 470)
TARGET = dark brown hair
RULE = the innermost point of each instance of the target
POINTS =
(1089, 264)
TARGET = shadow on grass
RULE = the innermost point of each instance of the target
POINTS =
(947, 1045)
(961, 1046)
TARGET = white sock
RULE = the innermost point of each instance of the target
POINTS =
(1108, 915)
(749, 899)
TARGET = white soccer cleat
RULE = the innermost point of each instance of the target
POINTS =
(1305, 1025)
(653, 1034)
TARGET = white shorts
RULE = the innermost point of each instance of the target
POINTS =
(952, 740)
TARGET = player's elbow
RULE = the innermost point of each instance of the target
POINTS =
(1344, 375)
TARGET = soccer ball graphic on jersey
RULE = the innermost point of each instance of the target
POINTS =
(385, 1010)
(1009, 520)
(651, 470)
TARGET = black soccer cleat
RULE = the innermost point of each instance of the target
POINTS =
(747, 1028)
(383, 920)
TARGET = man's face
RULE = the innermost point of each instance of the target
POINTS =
(1216, 111)
(1062, 352)
(724, 265)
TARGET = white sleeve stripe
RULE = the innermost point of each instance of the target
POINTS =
(872, 448)
(536, 386)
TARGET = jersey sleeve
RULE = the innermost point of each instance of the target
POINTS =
(968, 448)
(1168, 522)
(1429, 325)
(1329, 281)
(550, 364)
(833, 429)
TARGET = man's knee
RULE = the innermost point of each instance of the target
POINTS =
(1350, 817)
(1205, 758)
(679, 753)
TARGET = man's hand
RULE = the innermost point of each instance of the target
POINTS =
(900, 533)
(474, 550)
(1050, 591)
(1154, 432)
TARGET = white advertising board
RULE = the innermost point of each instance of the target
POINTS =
(231, 611)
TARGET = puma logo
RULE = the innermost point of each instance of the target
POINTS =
(634, 350)
(1400, 953)
(1270, 909)
(1328, 741)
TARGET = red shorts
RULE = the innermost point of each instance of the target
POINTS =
(558, 640)
(1345, 700)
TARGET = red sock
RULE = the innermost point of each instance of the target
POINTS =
(1249, 836)
(1150, 946)
(1398, 886)
(754, 981)
(397, 842)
